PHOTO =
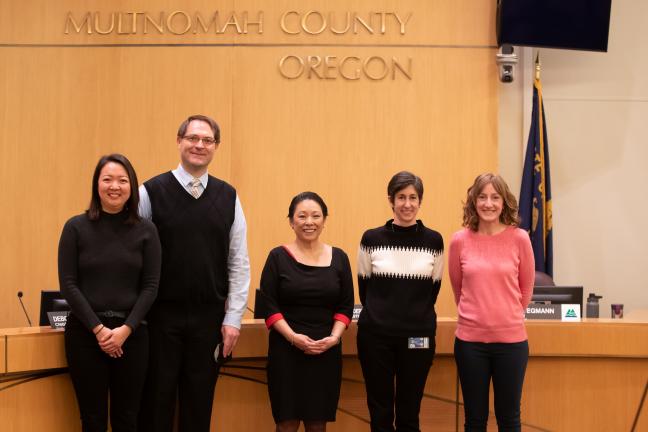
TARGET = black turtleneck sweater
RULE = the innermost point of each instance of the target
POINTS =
(109, 265)
(399, 276)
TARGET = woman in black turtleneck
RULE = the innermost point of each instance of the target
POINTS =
(109, 268)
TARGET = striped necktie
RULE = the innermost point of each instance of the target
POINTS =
(194, 187)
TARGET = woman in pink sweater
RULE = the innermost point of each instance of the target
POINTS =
(492, 271)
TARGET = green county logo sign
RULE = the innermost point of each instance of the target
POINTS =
(571, 314)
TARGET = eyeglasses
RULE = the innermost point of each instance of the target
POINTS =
(195, 139)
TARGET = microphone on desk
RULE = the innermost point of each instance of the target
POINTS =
(20, 294)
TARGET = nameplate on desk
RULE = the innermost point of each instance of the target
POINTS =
(356, 312)
(57, 319)
(563, 312)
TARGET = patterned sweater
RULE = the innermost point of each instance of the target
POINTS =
(399, 276)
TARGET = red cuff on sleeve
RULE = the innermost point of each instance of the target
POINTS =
(273, 319)
(342, 318)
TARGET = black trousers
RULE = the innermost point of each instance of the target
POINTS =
(505, 363)
(183, 338)
(394, 376)
(95, 376)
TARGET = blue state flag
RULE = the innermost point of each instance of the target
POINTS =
(535, 193)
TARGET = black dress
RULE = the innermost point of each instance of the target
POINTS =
(301, 386)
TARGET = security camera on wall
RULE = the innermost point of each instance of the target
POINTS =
(506, 61)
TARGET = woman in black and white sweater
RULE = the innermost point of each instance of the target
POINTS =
(399, 275)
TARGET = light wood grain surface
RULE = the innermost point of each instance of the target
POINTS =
(581, 376)
(68, 99)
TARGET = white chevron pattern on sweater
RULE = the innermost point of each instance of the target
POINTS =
(400, 262)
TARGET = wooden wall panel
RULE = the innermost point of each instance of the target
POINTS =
(78, 104)
(66, 100)
(45, 404)
(598, 337)
(3, 354)
(23, 354)
(345, 140)
(432, 22)
(583, 393)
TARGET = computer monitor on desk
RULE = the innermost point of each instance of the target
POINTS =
(558, 295)
(51, 301)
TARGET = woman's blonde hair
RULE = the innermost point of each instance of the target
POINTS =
(509, 214)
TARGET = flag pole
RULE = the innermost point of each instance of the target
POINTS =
(537, 66)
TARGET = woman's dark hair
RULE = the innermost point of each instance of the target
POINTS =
(131, 206)
(303, 197)
(509, 214)
(400, 181)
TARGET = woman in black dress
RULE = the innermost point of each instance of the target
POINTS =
(109, 268)
(307, 288)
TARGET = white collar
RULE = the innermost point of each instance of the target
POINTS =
(186, 178)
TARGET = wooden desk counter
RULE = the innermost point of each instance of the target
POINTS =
(32, 349)
(588, 375)
(589, 337)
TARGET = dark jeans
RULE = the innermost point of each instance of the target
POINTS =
(505, 363)
(385, 359)
(95, 376)
(183, 340)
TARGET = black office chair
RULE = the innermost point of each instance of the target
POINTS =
(543, 279)
(51, 301)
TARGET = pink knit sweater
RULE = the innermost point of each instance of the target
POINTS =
(492, 279)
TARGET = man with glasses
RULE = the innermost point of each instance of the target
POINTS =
(203, 284)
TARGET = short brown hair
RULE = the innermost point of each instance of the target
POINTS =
(400, 181)
(212, 124)
(509, 214)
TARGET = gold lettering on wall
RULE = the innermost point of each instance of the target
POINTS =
(288, 71)
(313, 63)
(329, 71)
(344, 70)
(232, 21)
(358, 20)
(199, 22)
(97, 25)
(178, 22)
(291, 22)
(159, 25)
(370, 70)
(307, 25)
(247, 23)
(403, 22)
(315, 22)
(398, 66)
(332, 18)
(170, 21)
(282, 22)
(77, 27)
(120, 29)
(134, 21)
(375, 68)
